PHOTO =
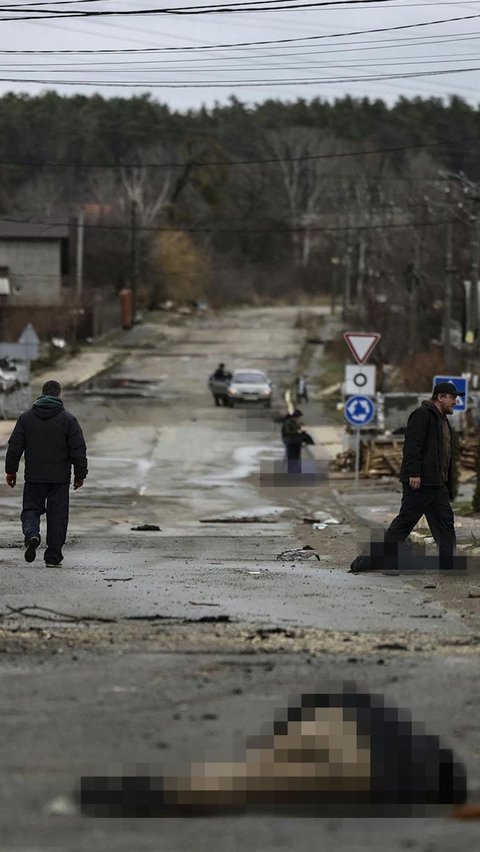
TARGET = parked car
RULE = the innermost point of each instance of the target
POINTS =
(250, 386)
(9, 376)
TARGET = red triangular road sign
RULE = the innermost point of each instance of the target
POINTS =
(361, 344)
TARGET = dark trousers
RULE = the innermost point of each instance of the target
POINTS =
(433, 502)
(52, 498)
(293, 452)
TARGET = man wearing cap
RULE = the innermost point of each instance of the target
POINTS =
(426, 474)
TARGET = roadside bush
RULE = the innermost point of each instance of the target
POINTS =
(416, 372)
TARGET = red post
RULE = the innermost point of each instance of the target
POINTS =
(126, 308)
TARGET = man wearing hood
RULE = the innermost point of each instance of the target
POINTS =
(52, 441)
(426, 474)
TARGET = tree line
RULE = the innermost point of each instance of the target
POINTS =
(372, 206)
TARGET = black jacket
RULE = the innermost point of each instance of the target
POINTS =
(291, 431)
(52, 441)
(422, 451)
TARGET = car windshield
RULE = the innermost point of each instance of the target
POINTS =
(249, 378)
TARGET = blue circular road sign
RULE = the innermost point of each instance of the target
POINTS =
(359, 411)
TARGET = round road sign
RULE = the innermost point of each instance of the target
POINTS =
(359, 411)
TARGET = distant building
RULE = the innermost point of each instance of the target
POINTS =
(34, 276)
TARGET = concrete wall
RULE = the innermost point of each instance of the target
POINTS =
(35, 271)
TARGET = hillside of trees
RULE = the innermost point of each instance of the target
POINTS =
(373, 206)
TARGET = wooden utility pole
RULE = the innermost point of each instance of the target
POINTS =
(413, 296)
(133, 254)
(79, 263)
(447, 302)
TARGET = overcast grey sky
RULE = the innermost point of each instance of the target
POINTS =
(324, 62)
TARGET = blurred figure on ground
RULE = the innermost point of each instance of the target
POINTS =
(53, 442)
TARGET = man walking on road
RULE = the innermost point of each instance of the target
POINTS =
(426, 476)
(52, 441)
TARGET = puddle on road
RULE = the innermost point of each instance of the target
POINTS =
(125, 386)
(246, 461)
(257, 515)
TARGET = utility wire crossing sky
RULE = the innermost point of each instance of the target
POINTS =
(190, 54)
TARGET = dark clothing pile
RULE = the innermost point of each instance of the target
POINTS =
(52, 441)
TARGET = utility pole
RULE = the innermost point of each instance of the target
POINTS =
(447, 302)
(413, 296)
(133, 254)
(333, 283)
(79, 263)
(361, 277)
(475, 263)
(347, 296)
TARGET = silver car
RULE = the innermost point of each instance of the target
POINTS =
(250, 386)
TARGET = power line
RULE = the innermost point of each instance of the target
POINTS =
(277, 230)
(140, 66)
(265, 42)
(388, 44)
(211, 9)
(208, 84)
(265, 160)
(409, 41)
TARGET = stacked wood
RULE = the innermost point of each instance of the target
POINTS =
(468, 452)
(343, 462)
(382, 457)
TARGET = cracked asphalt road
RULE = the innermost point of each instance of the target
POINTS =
(206, 631)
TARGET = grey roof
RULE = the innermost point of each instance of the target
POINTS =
(20, 230)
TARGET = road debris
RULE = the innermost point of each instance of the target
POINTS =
(305, 552)
(60, 806)
(34, 611)
(117, 579)
(146, 528)
(319, 518)
(466, 812)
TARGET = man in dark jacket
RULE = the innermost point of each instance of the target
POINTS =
(426, 474)
(52, 441)
(292, 437)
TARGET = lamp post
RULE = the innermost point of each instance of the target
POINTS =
(335, 261)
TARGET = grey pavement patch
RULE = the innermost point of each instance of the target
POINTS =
(278, 593)
(82, 725)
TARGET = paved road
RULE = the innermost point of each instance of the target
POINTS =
(140, 676)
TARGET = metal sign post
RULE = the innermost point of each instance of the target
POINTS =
(357, 458)
(359, 411)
